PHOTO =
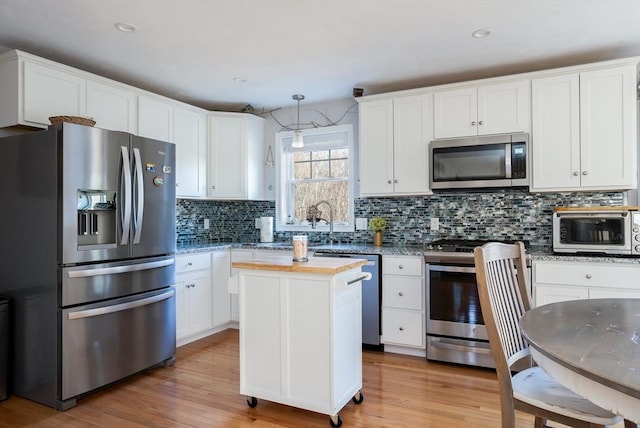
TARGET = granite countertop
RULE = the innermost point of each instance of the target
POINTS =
(321, 265)
(538, 253)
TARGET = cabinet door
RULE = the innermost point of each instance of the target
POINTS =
(221, 265)
(412, 129)
(227, 157)
(553, 294)
(555, 144)
(376, 147)
(456, 113)
(504, 107)
(52, 92)
(155, 119)
(189, 136)
(199, 302)
(608, 128)
(182, 328)
(601, 293)
(111, 107)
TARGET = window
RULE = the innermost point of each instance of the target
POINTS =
(322, 170)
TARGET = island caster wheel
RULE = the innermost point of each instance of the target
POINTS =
(252, 402)
(335, 421)
(358, 398)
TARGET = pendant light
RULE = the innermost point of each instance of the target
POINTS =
(298, 142)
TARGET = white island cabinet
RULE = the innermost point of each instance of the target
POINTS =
(301, 332)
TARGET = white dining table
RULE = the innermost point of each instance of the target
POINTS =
(593, 348)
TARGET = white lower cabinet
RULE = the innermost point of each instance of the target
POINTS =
(221, 271)
(193, 295)
(558, 281)
(403, 322)
(202, 295)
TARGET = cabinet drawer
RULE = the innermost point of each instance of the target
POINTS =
(402, 292)
(403, 327)
(590, 275)
(191, 262)
(411, 266)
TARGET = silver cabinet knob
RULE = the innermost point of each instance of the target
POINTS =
(395, 181)
(575, 173)
(585, 172)
(400, 267)
(389, 181)
(401, 328)
(189, 264)
(588, 276)
(400, 294)
(480, 123)
(177, 184)
(213, 187)
(473, 123)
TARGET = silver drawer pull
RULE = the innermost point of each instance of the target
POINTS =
(400, 267)
(189, 264)
(400, 294)
(401, 328)
(588, 276)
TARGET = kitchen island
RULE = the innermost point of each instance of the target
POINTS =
(301, 332)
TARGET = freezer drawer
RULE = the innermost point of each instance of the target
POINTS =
(105, 342)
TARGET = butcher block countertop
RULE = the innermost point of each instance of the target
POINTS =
(321, 265)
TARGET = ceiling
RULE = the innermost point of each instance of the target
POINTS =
(192, 50)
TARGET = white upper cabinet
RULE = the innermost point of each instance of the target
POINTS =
(155, 118)
(584, 134)
(33, 89)
(394, 142)
(189, 136)
(236, 150)
(480, 110)
(112, 107)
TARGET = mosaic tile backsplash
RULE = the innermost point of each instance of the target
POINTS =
(509, 214)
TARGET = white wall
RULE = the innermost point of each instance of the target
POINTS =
(311, 115)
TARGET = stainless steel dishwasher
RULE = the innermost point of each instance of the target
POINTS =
(371, 297)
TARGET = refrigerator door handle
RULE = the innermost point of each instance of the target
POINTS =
(84, 273)
(125, 201)
(119, 307)
(139, 182)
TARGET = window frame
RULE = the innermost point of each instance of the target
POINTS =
(284, 174)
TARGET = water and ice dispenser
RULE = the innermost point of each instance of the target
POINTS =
(96, 218)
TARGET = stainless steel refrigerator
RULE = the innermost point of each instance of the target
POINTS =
(87, 258)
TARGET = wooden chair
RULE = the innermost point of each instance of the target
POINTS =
(504, 297)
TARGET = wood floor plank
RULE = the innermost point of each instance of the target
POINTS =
(202, 390)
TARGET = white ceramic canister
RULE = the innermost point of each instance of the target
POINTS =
(266, 229)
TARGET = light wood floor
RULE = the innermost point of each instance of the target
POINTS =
(202, 390)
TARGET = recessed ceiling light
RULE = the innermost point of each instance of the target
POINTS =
(482, 33)
(125, 27)
(239, 79)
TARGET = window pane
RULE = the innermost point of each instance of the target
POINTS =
(340, 168)
(321, 169)
(320, 154)
(339, 153)
(302, 170)
(336, 192)
(301, 156)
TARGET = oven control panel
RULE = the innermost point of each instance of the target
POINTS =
(635, 233)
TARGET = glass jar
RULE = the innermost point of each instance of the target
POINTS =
(300, 248)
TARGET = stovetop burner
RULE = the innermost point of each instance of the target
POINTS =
(464, 245)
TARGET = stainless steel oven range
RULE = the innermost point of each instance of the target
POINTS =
(455, 328)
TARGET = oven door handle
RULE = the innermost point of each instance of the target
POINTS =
(442, 343)
(461, 269)
(120, 307)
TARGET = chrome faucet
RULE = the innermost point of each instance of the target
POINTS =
(313, 217)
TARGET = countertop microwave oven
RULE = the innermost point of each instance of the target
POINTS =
(597, 230)
(489, 161)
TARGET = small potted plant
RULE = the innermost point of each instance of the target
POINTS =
(377, 224)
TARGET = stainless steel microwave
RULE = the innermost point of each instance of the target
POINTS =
(597, 230)
(480, 162)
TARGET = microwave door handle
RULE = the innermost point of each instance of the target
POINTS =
(507, 160)
(137, 223)
(125, 196)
